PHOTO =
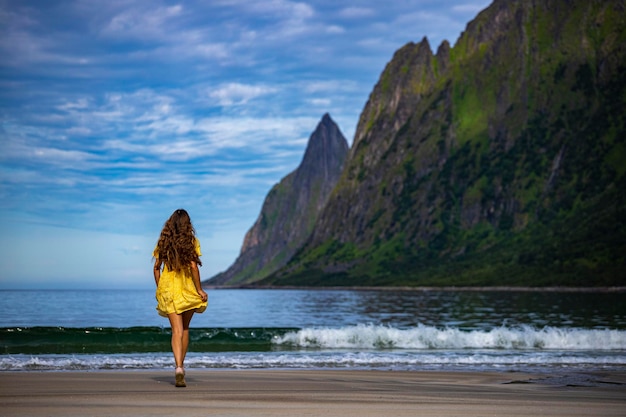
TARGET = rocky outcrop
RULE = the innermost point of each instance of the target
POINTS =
(290, 209)
(497, 161)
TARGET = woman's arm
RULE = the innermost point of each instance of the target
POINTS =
(156, 271)
(195, 274)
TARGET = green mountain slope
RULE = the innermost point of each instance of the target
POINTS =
(499, 161)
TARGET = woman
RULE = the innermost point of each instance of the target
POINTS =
(179, 293)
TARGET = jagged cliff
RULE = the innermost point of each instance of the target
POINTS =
(290, 209)
(500, 160)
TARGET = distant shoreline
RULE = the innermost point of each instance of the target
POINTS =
(419, 289)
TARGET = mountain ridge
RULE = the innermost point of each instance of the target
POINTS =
(497, 161)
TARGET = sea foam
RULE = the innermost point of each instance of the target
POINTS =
(428, 337)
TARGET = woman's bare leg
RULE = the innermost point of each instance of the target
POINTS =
(176, 322)
(180, 341)
(186, 320)
(180, 335)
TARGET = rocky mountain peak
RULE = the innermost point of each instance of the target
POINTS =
(290, 209)
(324, 154)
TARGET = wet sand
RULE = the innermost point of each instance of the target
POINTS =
(311, 393)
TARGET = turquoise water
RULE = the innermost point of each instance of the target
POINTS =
(404, 330)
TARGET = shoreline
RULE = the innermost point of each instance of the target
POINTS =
(422, 289)
(310, 392)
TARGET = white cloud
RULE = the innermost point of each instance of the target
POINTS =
(18, 150)
(356, 12)
(329, 86)
(334, 29)
(320, 102)
(470, 7)
(292, 11)
(81, 103)
(21, 49)
(146, 23)
(287, 20)
(59, 156)
(237, 94)
(218, 51)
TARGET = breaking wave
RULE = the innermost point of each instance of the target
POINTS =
(427, 337)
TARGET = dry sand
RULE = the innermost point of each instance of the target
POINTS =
(310, 393)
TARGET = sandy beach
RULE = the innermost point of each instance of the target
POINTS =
(310, 393)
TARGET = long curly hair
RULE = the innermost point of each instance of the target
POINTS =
(176, 244)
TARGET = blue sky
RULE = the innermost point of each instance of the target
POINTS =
(115, 113)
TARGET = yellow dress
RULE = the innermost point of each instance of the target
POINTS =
(176, 292)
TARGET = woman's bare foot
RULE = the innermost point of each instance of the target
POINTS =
(180, 377)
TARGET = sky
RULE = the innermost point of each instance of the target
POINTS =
(115, 113)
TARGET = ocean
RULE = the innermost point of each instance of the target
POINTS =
(529, 331)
